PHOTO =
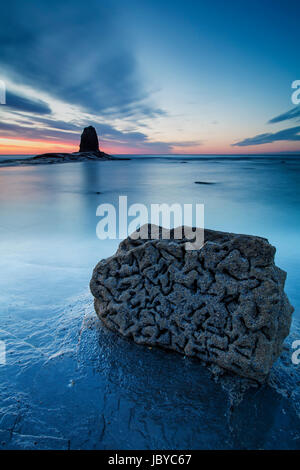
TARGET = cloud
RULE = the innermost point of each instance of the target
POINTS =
(22, 103)
(48, 129)
(17, 130)
(292, 134)
(76, 52)
(291, 114)
(70, 66)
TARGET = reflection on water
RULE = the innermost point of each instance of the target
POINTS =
(69, 383)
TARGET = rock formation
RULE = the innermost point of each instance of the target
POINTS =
(89, 140)
(88, 150)
(224, 303)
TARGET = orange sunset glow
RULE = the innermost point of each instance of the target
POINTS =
(15, 146)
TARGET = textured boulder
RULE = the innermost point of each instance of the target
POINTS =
(89, 140)
(224, 303)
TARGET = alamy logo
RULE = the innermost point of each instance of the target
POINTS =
(296, 354)
(159, 215)
(2, 92)
(2, 353)
(296, 94)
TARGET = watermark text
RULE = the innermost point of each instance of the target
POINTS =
(2, 92)
(128, 220)
(2, 353)
(296, 94)
(296, 353)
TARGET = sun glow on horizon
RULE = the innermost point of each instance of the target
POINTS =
(12, 146)
(9, 146)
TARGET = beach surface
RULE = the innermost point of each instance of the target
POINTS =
(68, 382)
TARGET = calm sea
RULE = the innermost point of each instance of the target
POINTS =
(70, 383)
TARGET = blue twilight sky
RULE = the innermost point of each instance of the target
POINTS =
(153, 76)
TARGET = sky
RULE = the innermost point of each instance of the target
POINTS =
(152, 76)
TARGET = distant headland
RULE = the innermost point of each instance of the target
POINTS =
(88, 150)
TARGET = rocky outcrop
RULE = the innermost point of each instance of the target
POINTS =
(88, 150)
(53, 158)
(223, 304)
(72, 157)
(89, 140)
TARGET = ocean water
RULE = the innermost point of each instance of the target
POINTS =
(70, 383)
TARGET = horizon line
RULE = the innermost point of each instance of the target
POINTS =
(174, 154)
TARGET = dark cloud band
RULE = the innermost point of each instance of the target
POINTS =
(291, 114)
(291, 134)
(22, 103)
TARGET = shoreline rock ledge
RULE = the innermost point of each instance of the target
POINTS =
(223, 303)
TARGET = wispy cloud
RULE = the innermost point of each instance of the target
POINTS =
(51, 130)
(38, 133)
(291, 114)
(292, 134)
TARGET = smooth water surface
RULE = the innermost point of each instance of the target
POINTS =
(70, 383)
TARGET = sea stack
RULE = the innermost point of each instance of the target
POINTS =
(223, 303)
(88, 150)
(89, 140)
